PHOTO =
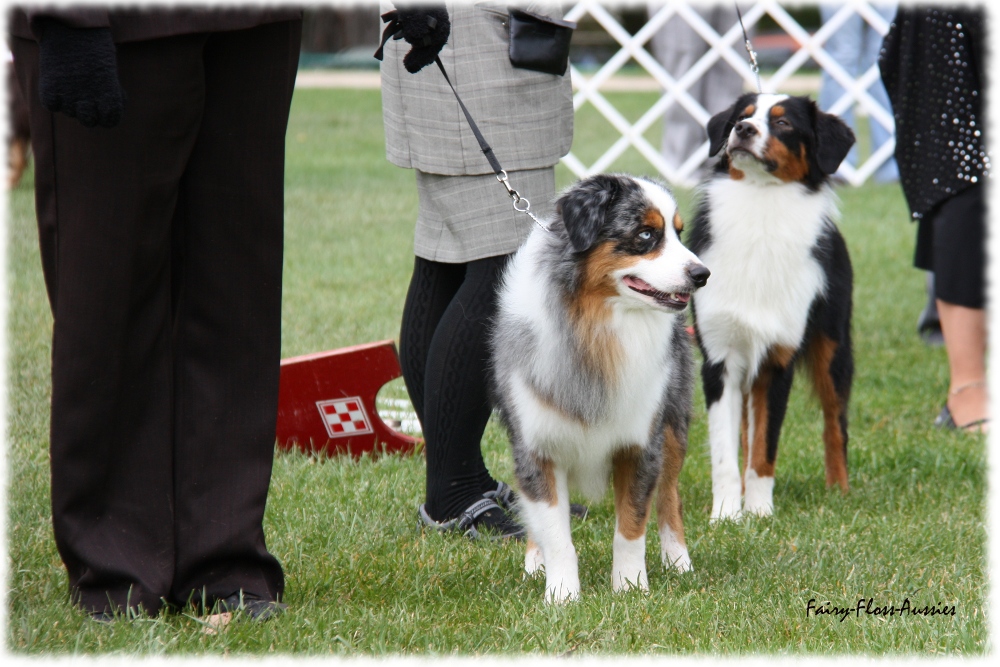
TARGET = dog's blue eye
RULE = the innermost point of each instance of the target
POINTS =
(646, 235)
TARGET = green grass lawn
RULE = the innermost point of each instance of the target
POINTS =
(363, 580)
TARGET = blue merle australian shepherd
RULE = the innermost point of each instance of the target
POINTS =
(593, 373)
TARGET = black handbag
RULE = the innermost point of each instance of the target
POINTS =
(539, 43)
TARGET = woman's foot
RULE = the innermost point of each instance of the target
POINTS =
(483, 519)
(967, 408)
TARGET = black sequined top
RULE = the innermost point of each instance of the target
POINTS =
(931, 63)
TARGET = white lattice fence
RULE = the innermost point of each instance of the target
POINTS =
(728, 47)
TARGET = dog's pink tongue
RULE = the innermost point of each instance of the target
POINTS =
(637, 283)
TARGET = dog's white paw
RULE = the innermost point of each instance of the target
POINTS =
(560, 590)
(628, 563)
(726, 508)
(676, 557)
(624, 581)
(759, 496)
(758, 508)
(562, 575)
(534, 562)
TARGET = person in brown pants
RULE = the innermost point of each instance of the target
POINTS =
(158, 138)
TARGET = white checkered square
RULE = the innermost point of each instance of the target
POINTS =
(344, 417)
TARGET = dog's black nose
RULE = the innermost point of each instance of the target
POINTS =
(745, 130)
(699, 274)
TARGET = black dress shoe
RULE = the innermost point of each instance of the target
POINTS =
(254, 606)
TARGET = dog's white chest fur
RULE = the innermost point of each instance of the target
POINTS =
(764, 273)
(584, 450)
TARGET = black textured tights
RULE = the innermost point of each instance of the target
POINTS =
(444, 357)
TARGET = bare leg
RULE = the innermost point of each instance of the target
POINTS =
(965, 334)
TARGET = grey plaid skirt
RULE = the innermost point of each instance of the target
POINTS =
(464, 218)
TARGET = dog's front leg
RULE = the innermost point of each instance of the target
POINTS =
(669, 508)
(724, 399)
(635, 472)
(533, 560)
(766, 412)
(544, 507)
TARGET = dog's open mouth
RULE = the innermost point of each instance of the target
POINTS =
(675, 300)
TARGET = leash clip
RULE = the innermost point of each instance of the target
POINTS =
(753, 65)
(518, 199)
(753, 57)
(502, 177)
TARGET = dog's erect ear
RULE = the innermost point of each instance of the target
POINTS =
(833, 141)
(584, 207)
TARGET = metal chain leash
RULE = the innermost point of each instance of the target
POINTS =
(517, 199)
(749, 47)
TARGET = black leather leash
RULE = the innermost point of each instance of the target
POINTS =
(487, 150)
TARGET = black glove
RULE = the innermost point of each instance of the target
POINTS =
(425, 28)
(78, 73)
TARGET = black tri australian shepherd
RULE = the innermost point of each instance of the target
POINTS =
(780, 291)
(593, 373)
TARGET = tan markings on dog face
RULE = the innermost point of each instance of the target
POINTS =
(590, 309)
(791, 168)
(653, 219)
(669, 508)
(597, 284)
(631, 518)
(678, 223)
(735, 173)
(834, 439)
(777, 111)
(749, 111)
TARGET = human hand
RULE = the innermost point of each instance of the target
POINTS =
(426, 29)
(78, 73)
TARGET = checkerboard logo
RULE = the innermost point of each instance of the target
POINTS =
(344, 417)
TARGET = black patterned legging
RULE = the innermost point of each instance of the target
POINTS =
(444, 355)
